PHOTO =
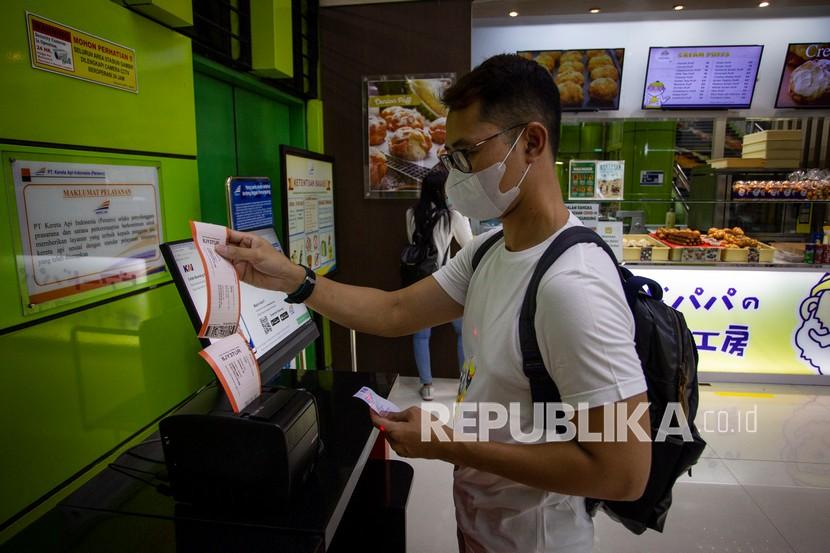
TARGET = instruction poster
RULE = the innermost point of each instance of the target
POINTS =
(68, 51)
(309, 209)
(85, 227)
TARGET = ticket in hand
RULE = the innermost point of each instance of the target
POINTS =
(223, 309)
(376, 403)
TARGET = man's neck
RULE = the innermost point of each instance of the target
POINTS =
(540, 213)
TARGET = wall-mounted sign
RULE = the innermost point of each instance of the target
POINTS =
(405, 126)
(308, 209)
(805, 78)
(651, 178)
(85, 227)
(64, 50)
(596, 180)
(752, 321)
(249, 203)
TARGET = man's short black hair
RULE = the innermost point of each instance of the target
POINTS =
(511, 90)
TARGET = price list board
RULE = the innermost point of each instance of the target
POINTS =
(710, 77)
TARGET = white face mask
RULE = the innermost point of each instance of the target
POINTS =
(477, 195)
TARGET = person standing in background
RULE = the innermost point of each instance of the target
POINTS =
(450, 224)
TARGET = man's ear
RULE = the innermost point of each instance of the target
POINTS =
(537, 139)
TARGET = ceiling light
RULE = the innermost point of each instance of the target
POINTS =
(594, 10)
(763, 4)
(678, 7)
(513, 14)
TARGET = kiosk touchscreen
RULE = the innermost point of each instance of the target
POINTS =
(275, 330)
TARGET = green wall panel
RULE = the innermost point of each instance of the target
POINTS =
(46, 107)
(86, 382)
(79, 384)
(216, 139)
(261, 126)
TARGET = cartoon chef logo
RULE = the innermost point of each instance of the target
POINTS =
(813, 336)
(654, 94)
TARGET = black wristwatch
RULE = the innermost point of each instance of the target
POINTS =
(306, 288)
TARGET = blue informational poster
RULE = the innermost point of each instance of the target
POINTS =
(249, 203)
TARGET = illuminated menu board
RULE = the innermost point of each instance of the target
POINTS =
(701, 77)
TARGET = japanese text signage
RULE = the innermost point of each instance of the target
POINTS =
(773, 322)
(67, 51)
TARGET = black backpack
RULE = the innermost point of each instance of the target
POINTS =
(419, 259)
(668, 355)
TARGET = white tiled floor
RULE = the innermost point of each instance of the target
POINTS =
(766, 491)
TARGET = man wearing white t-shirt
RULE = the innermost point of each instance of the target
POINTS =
(502, 139)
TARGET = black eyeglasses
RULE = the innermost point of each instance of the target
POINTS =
(458, 159)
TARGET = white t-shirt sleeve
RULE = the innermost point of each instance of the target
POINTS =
(585, 330)
(454, 277)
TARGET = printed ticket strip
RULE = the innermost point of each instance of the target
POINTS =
(223, 305)
(376, 403)
(237, 369)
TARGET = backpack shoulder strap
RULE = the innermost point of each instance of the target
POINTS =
(542, 387)
(485, 247)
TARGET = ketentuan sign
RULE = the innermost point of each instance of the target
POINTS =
(752, 321)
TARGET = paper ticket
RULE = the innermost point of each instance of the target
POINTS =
(237, 369)
(221, 280)
(376, 403)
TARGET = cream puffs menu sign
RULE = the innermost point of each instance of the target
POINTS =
(308, 209)
(85, 229)
(405, 127)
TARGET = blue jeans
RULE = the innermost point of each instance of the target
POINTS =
(420, 343)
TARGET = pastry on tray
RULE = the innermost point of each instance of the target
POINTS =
(410, 144)
(603, 90)
(570, 76)
(438, 130)
(810, 81)
(377, 167)
(570, 94)
(605, 72)
(377, 130)
(397, 117)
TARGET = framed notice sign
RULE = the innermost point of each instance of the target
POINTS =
(249, 203)
(85, 229)
(595, 180)
(68, 51)
(307, 185)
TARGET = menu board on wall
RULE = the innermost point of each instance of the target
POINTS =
(701, 77)
(805, 79)
(595, 180)
(405, 126)
(85, 228)
(587, 79)
(308, 209)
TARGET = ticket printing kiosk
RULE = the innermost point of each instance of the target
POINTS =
(291, 473)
